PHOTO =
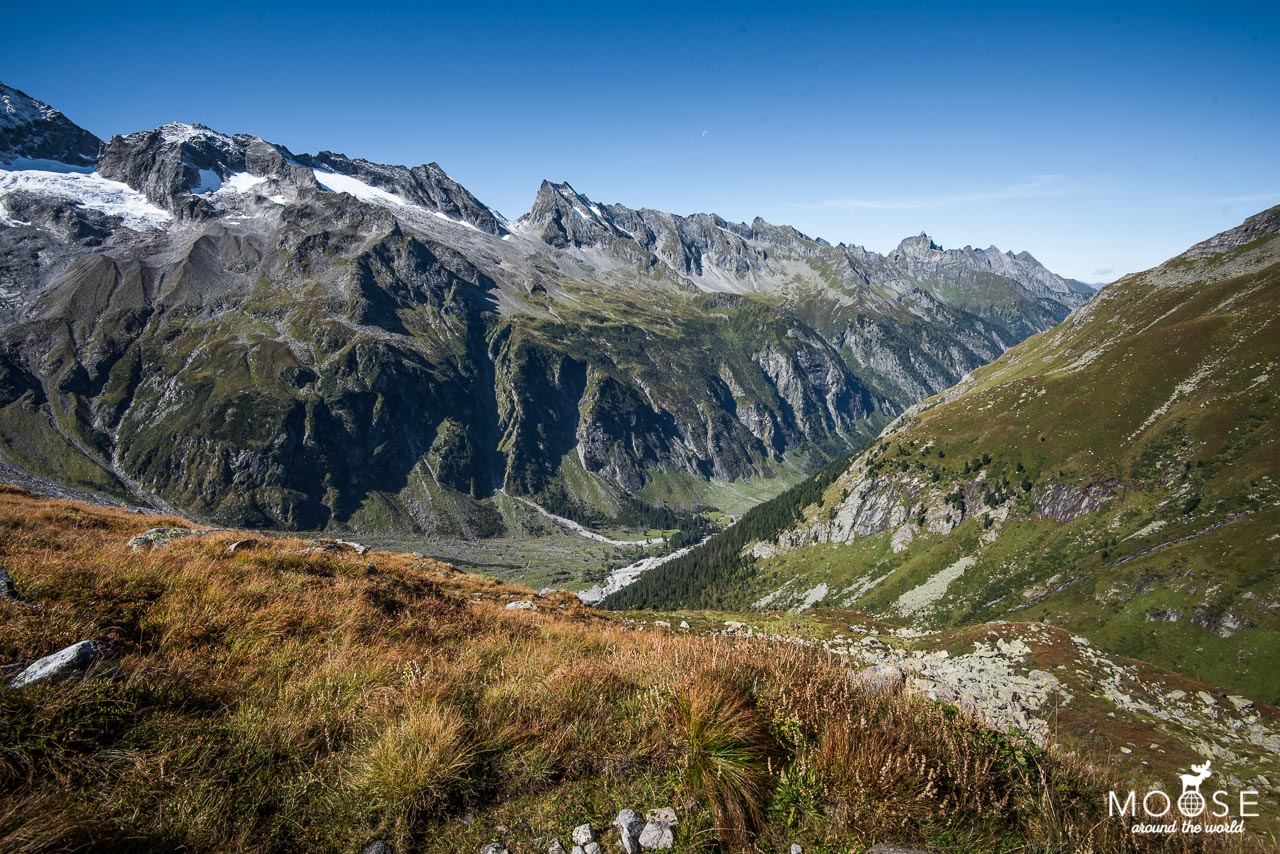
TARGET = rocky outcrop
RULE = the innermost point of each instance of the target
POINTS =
(1064, 503)
(32, 130)
(427, 186)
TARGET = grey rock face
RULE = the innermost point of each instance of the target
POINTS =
(493, 848)
(428, 186)
(72, 661)
(179, 166)
(1256, 227)
(32, 129)
(1065, 503)
(378, 846)
(582, 834)
(554, 847)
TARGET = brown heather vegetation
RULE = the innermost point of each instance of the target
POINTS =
(272, 700)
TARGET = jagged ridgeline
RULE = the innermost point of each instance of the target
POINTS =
(1118, 475)
(218, 325)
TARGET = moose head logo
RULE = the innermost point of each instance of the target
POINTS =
(1191, 802)
(1191, 782)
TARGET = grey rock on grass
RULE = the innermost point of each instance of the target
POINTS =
(8, 588)
(75, 660)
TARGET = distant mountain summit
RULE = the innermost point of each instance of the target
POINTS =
(32, 130)
(266, 338)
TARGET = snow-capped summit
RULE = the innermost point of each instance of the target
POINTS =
(31, 131)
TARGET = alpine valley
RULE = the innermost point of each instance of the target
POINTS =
(214, 324)
(1117, 475)
(929, 548)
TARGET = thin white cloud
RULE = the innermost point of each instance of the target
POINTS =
(1037, 187)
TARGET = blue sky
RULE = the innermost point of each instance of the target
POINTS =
(1101, 137)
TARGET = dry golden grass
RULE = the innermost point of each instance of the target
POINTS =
(273, 700)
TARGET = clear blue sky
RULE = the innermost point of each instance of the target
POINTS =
(1101, 137)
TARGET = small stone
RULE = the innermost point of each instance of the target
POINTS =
(582, 834)
(244, 546)
(591, 848)
(666, 815)
(882, 679)
(1206, 698)
(796, 849)
(75, 660)
(554, 847)
(154, 538)
(656, 835)
(355, 547)
(684, 624)
(880, 848)
(378, 846)
(630, 825)
(8, 589)
(521, 605)
(493, 848)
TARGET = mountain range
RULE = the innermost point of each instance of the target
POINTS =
(210, 323)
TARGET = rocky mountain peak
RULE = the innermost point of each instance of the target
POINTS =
(427, 186)
(919, 246)
(563, 217)
(1256, 227)
(177, 164)
(33, 130)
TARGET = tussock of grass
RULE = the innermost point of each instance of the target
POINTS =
(271, 701)
(415, 764)
(725, 749)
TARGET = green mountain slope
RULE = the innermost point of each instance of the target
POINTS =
(1116, 475)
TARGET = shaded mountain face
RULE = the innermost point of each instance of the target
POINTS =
(32, 130)
(216, 324)
(1119, 475)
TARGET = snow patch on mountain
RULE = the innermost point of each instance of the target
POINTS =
(335, 183)
(439, 215)
(91, 191)
(19, 164)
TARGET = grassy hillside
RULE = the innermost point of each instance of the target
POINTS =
(1118, 475)
(288, 697)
